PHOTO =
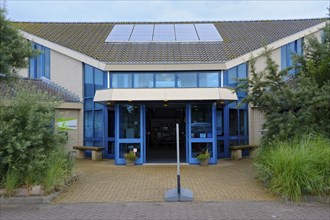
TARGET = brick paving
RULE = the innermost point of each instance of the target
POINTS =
(190, 210)
(102, 181)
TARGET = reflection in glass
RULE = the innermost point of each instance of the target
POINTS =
(165, 80)
(209, 79)
(187, 80)
(88, 123)
(201, 121)
(243, 122)
(98, 121)
(233, 122)
(129, 121)
(143, 80)
(121, 80)
(219, 122)
(220, 147)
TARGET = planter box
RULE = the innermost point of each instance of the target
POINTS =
(204, 162)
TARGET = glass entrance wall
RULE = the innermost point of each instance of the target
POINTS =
(129, 131)
(201, 131)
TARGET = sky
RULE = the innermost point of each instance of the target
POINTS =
(181, 10)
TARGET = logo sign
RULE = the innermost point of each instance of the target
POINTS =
(64, 124)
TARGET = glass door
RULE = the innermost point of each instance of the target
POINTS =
(202, 131)
(129, 131)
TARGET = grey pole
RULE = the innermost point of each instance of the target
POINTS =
(178, 194)
(178, 158)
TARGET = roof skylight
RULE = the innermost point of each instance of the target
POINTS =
(198, 32)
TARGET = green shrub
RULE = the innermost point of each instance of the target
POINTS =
(27, 134)
(296, 168)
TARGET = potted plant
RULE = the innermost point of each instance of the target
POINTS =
(203, 158)
(130, 158)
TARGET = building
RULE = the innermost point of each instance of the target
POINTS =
(137, 80)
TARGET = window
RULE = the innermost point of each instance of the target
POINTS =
(143, 80)
(233, 122)
(243, 122)
(129, 121)
(235, 73)
(287, 53)
(201, 121)
(165, 80)
(121, 80)
(209, 79)
(93, 112)
(40, 66)
(187, 80)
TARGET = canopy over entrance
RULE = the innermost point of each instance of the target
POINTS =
(164, 94)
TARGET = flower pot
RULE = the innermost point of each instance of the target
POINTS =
(130, 163)
(204, 162)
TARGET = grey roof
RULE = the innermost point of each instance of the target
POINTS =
(43, 85)
(239, 37)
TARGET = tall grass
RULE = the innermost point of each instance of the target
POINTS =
(12, 181)
(59, 169)
(296, 168)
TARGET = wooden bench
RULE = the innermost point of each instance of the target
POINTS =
(236, 151)
(96, 152)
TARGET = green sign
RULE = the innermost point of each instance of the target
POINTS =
(64, 124)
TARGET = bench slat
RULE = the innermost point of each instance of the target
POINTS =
(242, 147)
(88, 148)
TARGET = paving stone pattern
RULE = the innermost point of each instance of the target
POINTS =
(102, 181)
(182, 211)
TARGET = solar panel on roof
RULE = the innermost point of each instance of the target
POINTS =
(207, 32)
(142, 32)
(120, 32)
(185, 32)
(164, 32)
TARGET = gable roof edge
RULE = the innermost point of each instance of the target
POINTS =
(64, 50)
(274, 45)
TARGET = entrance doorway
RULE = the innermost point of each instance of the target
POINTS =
(161, 133)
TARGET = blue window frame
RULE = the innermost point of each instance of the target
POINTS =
(201, 131)
(94, 113)
(40, 66)
(130, 131)
(287, 53)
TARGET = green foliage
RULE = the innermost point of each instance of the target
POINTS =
(14, 49)
(130, 156)
(27, 132)
(293, 104)
(296, 168)
(203, 156)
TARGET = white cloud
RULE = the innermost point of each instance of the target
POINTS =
(162, 10)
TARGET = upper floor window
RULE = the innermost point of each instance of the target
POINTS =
(237, 72)
(203, 79)
(40, 66)
(287, 53)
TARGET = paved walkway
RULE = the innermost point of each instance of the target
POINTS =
(191, 210)
(102, 181)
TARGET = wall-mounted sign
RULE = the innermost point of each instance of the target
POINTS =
(64, 124)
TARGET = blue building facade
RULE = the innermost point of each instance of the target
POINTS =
(149, 126)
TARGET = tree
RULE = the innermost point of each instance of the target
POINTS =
(293, 104)
(14, 49)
